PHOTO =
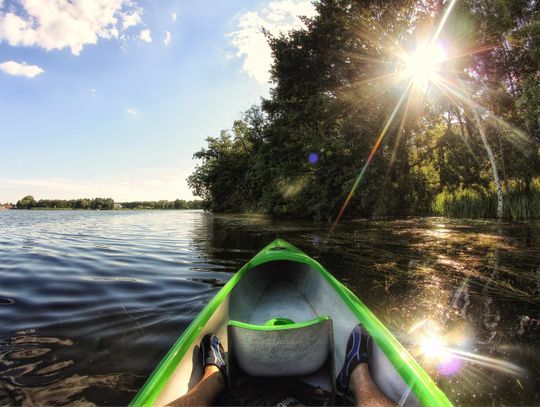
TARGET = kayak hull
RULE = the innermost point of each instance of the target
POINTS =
(282, 282)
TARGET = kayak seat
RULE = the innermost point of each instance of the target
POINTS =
(281, 347)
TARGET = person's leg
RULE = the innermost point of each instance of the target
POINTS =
(366, 392)
(213, 381)
(354, 375)
(205, 392)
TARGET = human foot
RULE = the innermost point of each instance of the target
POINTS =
(213, 355)
(358, 351)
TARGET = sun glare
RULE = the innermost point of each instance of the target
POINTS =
(423, 65)
(432, 347)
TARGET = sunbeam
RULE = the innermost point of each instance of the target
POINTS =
(371, 154)
(452, 92)
(399, 134)
(447, 13)
(419, 68)
(432, 68)
(489, 362)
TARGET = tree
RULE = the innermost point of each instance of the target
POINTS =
(300, 152)
(491, 156)
(28, 202)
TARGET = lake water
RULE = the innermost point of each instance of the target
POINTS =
(91, 301)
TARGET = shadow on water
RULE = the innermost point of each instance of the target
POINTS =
(91, 301)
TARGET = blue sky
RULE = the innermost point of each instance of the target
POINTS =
(113, 97)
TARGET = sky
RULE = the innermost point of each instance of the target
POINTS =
(111, 98)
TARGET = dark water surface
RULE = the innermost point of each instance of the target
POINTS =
(91, 301)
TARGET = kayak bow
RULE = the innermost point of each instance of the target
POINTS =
(281, 289)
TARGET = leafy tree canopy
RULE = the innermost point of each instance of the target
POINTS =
(335, 86)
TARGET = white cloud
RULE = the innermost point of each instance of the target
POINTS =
(173, 17)
(57, 24)
(145, 35)
(167, 38)
(93, 91)
(131, 18)
(275, 16)
(132, 110)
(20, 69)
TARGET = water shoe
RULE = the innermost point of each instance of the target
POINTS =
(358, 351)
(212, 353)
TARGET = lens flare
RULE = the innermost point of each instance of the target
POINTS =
(370, 157)
(448, 351)
(432, 347)
(313, 158)
(450, 366)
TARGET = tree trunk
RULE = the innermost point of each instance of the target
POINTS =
(503, 165)
(441, 156)
(483, 136)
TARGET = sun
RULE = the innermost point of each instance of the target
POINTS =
(423, 65)
(433, 347)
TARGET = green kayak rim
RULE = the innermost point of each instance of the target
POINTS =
(420, 383)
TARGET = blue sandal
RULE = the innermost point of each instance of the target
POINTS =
(358, 351)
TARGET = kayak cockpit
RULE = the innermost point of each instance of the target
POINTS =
(283, 290)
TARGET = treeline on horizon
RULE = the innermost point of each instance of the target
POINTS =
(299, 152)
(28, 202)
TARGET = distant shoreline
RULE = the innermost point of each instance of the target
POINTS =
(90, 209)
(29, 202)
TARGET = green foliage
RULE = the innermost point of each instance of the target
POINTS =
(479, 203)
(28, 202)
(529, 104)
(465, 203)
(325, 103)
(176, 204)
(228, 180)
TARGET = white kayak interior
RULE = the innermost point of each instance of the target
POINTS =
(286, 289)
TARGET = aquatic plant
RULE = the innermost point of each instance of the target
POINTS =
(479, 203)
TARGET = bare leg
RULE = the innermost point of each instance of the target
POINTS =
(205, 392)
(365, 390)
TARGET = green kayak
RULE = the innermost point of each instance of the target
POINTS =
(280, 297)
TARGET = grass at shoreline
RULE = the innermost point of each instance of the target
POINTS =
(470, 203)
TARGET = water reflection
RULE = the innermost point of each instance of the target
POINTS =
(91, 301)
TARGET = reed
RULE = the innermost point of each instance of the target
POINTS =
(479, 203)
